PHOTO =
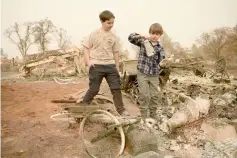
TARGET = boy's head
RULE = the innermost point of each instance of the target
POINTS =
(155, 32)
(107, 19)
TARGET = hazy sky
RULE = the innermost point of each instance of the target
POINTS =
(183, 20)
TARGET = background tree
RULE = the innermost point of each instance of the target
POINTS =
(195, 50)
(167, 43)
(214, 43)
(235, 28)
(23, 42)
(42, 31)
(233, 41)
(62, 38)
(3, 54)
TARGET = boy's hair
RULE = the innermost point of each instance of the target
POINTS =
(106, 15)
(156, 28)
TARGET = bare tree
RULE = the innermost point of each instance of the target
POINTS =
(215, 42)
(167, 43)
(233, 40)
(43, 29)
(23, 42)
(3, 54)
(235, 28)
(195, 50)
(62, 38)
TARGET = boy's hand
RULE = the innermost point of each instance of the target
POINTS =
(89, 65)
(142, 36)
(165, 63)
(146, 37)
(117, 67)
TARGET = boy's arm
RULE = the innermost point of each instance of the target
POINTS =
(116, 58)
(135, 39)
(86, 51)
(87, 56)
(116, 51)
(161, 55)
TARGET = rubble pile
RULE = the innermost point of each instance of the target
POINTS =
(61, 62)
(66, 62)
(198, 116)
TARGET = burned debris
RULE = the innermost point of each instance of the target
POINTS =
(188, 102)
(61, 62)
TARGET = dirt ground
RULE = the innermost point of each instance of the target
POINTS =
(27, 130)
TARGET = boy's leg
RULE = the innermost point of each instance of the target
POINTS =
(155, 96)
(113, 79)
(95, 78)
(144, 94)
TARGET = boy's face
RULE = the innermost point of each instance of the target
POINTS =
(108, 24)
(154, 37)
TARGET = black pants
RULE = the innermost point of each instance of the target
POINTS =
(96, 75)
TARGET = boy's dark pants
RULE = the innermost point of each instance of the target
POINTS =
(96, 75)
